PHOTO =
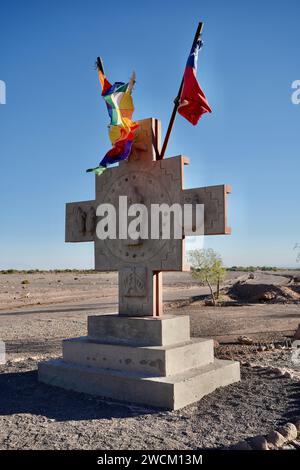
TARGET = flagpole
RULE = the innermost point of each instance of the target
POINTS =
(176, 102)
(99, 64)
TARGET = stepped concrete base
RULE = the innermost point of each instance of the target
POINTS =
(173, 392)
(151, 361)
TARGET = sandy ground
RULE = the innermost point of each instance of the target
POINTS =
(45, 288)
(20, 290)
(59, 304)
(34, 415)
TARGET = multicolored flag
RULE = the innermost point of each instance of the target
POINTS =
(120, 109)
(193, 102)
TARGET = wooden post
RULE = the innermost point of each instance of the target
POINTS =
(176, 102)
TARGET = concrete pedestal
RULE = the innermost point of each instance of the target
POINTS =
(146, 360)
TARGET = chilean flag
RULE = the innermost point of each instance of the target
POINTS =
(193, 102)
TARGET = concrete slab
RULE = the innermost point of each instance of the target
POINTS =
(171, 392)
(140, 331)
(150, 360)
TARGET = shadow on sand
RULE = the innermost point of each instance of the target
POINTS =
(20, 392)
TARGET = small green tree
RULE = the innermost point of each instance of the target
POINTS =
(207, 266)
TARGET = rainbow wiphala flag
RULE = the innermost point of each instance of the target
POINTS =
(121, 129)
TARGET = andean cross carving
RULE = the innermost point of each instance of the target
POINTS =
(144, 179)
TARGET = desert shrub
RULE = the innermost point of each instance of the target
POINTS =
(207, 266)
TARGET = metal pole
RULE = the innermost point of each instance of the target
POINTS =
(176, 102)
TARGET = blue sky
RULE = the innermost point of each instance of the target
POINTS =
(54, 124)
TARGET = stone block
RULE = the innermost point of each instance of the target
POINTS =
(149, 360)
(2, 352)
(171, 392)
(140, 331)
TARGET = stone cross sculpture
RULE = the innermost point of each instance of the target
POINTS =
(144, 179)
(140, 355)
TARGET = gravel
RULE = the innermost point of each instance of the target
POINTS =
(37, 416)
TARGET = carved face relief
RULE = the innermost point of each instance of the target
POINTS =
(79, 219)
(90, 223)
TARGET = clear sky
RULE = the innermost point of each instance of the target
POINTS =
(54, 124)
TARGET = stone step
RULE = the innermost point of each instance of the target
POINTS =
(171, 392)
(140, 331)
(149, 360)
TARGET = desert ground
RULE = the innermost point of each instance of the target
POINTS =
(254, 323)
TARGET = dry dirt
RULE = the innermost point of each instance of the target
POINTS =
(33, 415)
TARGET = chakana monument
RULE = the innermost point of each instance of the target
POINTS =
(140, 355)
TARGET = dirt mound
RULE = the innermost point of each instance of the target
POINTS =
(252, 293)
